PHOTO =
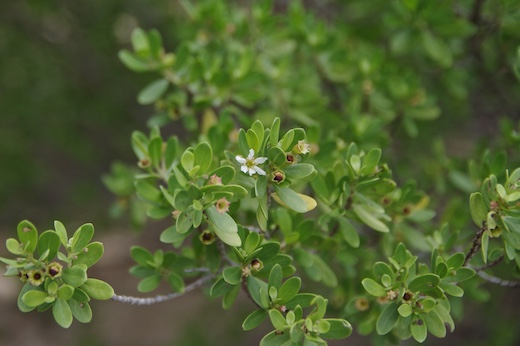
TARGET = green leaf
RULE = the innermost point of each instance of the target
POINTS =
(155, 151)
(452, 289)
(275, 277)
(184, 221)
(62, 232)
(261, 184)
(34, 298)
(456, 260)
(155, 42)
(80, 296)
(435, 324)
(276, 339)
(418, 329)
(188, 160)
(258, 291)
(74, 276)
(98, 289)
(252, 140)
(349, 233)
(254, 319)
(62, 313)
(28, 235)
(339, 329)
(90, 254)
(373, 288)
(445, 316)
(424, 283)
(298, 171)
(370, 162)
(172, 147)
(81, 311)
(219, 288)
(140, 41)
(203, 156)
(387, 319)
(226, 173)
(275, 132)
(26, 288)
(133, 62)
(65, 292)
(477, 208)
(232, 275)
(152, 92)
(149, 283)
(292, 200)
(326, 274)
(405, 310)
(277, 319)
(289, 289)
(302, 299)
(141, 255)
(461, 274)
(13, 246)
(230, 297)
(276, 156)
(224, 226)
(513, 225)
(82, 237)
(287, 140)
(252, 242)
(147, 191)
(381, 268)
(437, 49)
(176, 282)
(182, 200)
(368, 218)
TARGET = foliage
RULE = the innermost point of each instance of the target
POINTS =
(48, 285)
(282, 176)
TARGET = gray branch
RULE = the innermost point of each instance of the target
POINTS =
(160, 298)
(498, 281)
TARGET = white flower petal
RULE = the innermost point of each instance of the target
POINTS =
(252, 170)
(260, 160)
(251, 154)
(244, 169)
(259, 170)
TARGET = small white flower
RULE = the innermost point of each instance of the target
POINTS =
(302, 147)
(250, 164)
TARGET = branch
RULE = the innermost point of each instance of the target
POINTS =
(490, 264)
(498, 281)
(161, 298)
(477, 241)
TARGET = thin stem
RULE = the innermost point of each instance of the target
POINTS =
(498, 281)
(161, 298)
(490, 264)
(477, 241)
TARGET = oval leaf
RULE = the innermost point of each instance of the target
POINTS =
(152, 91)
(62, 313)
(98, 289)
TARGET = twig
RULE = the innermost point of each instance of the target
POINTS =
(490, 264)
(161, 298)
(477, 241)
(498, 281)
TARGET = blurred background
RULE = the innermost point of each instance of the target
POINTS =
(67, 109)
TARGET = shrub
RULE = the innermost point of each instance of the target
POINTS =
(305, 150)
